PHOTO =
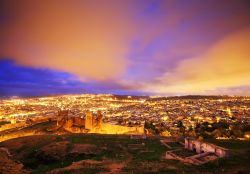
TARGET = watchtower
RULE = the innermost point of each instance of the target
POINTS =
(89, 120)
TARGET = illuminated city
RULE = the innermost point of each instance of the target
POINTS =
(141, 117)
(124, 87)
(165, 113)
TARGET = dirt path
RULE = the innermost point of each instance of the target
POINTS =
(75, 166)
(116, 168)
(111, 166)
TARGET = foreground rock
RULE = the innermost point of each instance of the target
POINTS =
(8, 165)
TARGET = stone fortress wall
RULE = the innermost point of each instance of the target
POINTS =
(92, 123)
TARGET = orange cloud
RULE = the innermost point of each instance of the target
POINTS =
(94, 39)
(225, 65)
(86, 38)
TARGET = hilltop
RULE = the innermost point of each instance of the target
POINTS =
(106, 154)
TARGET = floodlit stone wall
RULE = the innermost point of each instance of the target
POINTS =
(117, 129)
(93, 124)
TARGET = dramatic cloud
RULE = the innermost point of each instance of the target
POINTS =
(155, 46)
(25, 81)
(86, 38)
(224, 67)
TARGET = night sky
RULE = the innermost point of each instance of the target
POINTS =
(134, 47)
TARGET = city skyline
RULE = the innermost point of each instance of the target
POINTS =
(125, 47)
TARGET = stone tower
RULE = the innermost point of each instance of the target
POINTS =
(99, 119)
(62, 116)
(89, 120)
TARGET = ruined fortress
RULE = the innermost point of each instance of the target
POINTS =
(203, 152)
(204, 147)
(92, 123)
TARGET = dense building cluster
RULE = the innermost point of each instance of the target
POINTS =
(161, 115)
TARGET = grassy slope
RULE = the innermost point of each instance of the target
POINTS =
(145, 159)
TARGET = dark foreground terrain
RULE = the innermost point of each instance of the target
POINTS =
(103, 154)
